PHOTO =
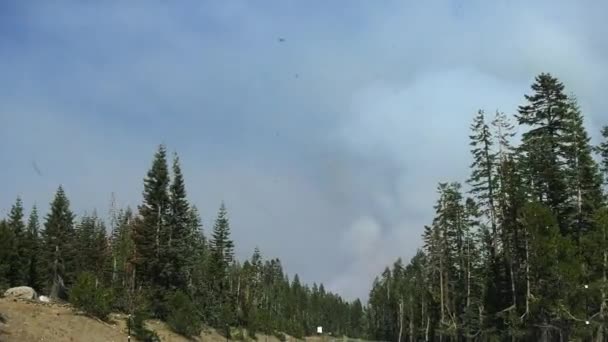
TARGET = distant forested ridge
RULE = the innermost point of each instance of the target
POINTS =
(155, 261)
(521, 252)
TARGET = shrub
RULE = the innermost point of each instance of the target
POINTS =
(182, 315)
(91, 297)
(251, 334)
(137, 328)
(280, 336)
(238, 336)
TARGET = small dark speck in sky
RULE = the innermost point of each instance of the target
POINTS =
(36, 168)
(281, 40)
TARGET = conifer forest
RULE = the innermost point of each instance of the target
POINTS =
(516, 252)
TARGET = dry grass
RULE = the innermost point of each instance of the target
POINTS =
(34, 321)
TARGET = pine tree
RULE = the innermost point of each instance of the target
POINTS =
(17, 274)
(179, 248)
(7, 253)
(197, 249)
(92, 244)
(602, 150)
(543, 146)
(195, 231)
(503, 131)
(33, 248)
(446, 249)
(58, 252)
(222, 248)
(596, 242)
(123, 252)
(483, 178)
(544, 289)
(221, 258)
(583, 179)
(151, 230)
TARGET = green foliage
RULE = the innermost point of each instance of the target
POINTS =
(92, 243)
(7, 252)
(137, 327)
(281, 336)
(32, 250)
(221, 258)
(546, 113)
(90, 296)
(602, 150)
(119, 262)
(182, 317)
(151, 233)
(179, 253)
(238, 335)
(17, 272)
(59, 253)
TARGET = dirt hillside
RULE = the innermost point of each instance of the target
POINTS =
(34, 321)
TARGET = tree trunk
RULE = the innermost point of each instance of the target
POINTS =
(528, 292)
(158, 233)
(600, 330)
(400, 319)
(412, 334)
(55, 285)
(442, 305)
(423, 311)
(428, 327)
(114, 271)
(468, 300)
(491, 199)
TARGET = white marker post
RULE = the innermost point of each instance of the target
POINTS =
(320, 332)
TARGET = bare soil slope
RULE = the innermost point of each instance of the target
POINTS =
(34, 321)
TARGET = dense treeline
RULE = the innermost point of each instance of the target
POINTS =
(523, 257)
(156, 262)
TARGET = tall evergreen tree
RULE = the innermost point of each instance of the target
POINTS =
(583, 179)
(122, 250)
(151, 233)
(483, 178)
(7, 253)
(17, 275)
(33, 248)
(543, 145)
(596, 241)
(58, 252)
(222, 247)
(179, 252)
(93, 246)
(602, 150)
(221, 258)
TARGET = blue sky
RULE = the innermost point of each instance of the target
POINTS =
(326, 147)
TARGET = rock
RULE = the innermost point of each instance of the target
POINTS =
(21, 292)
(44, 299)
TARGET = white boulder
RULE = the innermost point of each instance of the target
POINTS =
(21, 292)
